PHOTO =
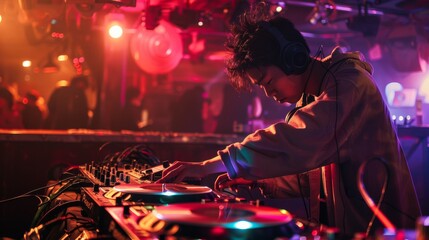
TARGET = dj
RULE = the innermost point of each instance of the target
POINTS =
(340, 123)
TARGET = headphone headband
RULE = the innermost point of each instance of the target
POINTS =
(294, 56)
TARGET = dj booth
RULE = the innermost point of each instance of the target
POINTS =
(101, 186)
(31, 158)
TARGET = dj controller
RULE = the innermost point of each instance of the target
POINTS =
(127, 203)
(122, 201)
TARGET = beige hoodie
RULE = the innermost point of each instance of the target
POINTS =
(347, 125)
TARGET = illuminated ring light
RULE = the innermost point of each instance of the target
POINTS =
(157, 51)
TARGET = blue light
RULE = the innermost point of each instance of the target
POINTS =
(168, 193)
(243, 225)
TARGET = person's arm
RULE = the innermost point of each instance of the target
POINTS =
(290, 186)
(309, 140)
(180, 170)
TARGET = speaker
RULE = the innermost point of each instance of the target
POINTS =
(294, 56)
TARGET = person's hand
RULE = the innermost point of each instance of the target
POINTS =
(180, 170)
(223, 181)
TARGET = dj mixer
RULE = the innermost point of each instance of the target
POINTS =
(125, 201)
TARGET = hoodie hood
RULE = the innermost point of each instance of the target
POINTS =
(358, 58)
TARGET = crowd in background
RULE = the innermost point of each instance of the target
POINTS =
(66, 108)
(193, 109)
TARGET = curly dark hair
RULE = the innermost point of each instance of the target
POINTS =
(250, 45)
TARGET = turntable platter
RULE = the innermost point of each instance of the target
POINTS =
(161, 193)
(219, 220)
(222, 214)
(163, 189)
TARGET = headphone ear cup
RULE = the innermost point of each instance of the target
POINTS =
(294, 58)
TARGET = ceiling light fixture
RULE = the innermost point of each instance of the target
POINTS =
(323, 12)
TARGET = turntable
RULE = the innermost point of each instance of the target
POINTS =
(147, 195)
(206, 221)
(161, 193)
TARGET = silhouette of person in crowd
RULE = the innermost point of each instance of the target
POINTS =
(68, 105)
(188, 111)
(131, 112)
(237, 108)
(32, 115)
(9, 118)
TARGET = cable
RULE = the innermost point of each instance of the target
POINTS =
(76, 181)
(69, 184)
(34, 233)
(293, 111)
(29, 194)
(328, 70)
(141, 152)
(25, 196)
(101, 148)
(307, 212)
(58, 208)
(368, 200)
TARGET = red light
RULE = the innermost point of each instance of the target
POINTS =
(57, 35)
(314, 233)
(216, 231)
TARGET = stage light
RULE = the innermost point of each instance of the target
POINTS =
(114, 23)
(279, 7)
(57, 27)
(26, 63)
(62, 58)
(323, 12)
(115, 31)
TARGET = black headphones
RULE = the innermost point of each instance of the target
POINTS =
(294, 56)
